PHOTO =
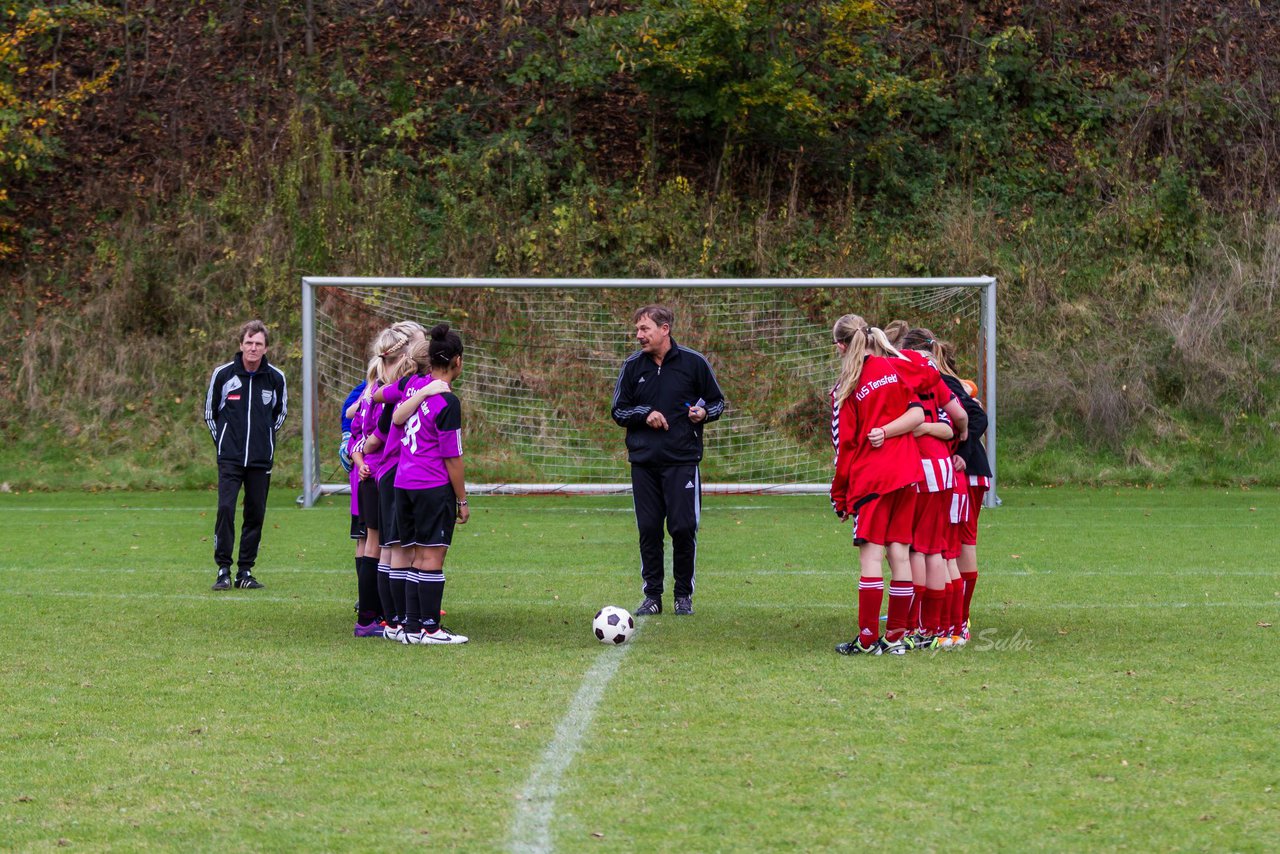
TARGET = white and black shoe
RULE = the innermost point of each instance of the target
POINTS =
(649, 607)
(440, 636)
(855, 647)
(684, 606)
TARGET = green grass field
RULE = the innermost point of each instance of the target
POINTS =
(1120, 690)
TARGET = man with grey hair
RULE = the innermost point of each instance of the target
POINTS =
(244, 408)
(664, 396)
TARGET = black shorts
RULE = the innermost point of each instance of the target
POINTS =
(367, 499)
(357, 528)
(427, 516)
(389, 533)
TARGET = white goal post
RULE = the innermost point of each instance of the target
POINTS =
(542, 354)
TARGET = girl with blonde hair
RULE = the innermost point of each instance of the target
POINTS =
(430, 481)
(874, 411)
(384, 437)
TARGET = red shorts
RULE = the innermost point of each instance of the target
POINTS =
(957, 518)
(886, 519)
(932, 518)
(969, 530)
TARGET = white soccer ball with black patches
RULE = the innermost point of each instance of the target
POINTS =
(613, 625)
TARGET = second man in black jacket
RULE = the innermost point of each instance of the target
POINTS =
(664, 396)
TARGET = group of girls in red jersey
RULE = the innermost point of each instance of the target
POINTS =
(899, 428)
(403, 531)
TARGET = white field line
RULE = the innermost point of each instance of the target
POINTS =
(536, 804)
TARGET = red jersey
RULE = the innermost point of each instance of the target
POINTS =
(937, 473)
(863, 472)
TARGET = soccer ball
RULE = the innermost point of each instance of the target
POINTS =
(613, 625)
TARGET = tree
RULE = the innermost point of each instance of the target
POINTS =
(35, 97)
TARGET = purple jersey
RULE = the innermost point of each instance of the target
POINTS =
(432, 435)
(355, 426)
(367, 419)
(387, 430)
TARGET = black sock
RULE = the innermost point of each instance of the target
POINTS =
(412, 609)
(367, 585)
(398, 584)
(430, 595)
(388, 605)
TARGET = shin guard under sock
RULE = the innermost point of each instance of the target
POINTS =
(900, 595)
(385, 600)
(870, 598)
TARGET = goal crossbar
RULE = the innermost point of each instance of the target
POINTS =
(313, 486)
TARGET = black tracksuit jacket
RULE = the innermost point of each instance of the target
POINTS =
(244, 410)
(682, 380)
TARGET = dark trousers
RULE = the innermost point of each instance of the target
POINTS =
(670, 494)
(257, 482)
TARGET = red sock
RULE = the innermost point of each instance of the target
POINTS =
(955, 617)
(900, 594)
(970, 579)
(870, 597)
(917, 600)
(931, 613)
(944, 619)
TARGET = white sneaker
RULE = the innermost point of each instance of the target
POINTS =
(439, 636)
(395, 633)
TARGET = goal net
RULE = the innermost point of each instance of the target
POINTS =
(542, 357)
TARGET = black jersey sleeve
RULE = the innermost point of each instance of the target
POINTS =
(449, 418)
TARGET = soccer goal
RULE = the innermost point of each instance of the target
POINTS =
(542, 357)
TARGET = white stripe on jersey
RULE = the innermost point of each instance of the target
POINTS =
(939, 475)
(835, 425)
(284, 401)
(979, 480)
(457, 433)
(208, 401)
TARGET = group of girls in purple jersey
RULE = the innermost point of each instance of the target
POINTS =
(408, 480)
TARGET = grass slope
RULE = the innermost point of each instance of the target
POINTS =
(1117, 693)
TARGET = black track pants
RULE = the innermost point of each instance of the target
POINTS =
(257, 482)
(670, 495)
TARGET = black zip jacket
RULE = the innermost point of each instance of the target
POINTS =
(244, 410)
(684, 379)
(971, 450)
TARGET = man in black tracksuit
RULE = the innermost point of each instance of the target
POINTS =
(664, 396)
(244, 408)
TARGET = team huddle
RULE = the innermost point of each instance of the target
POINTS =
(408, 488)
(910, 473)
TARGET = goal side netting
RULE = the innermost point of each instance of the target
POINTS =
(542, 357)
